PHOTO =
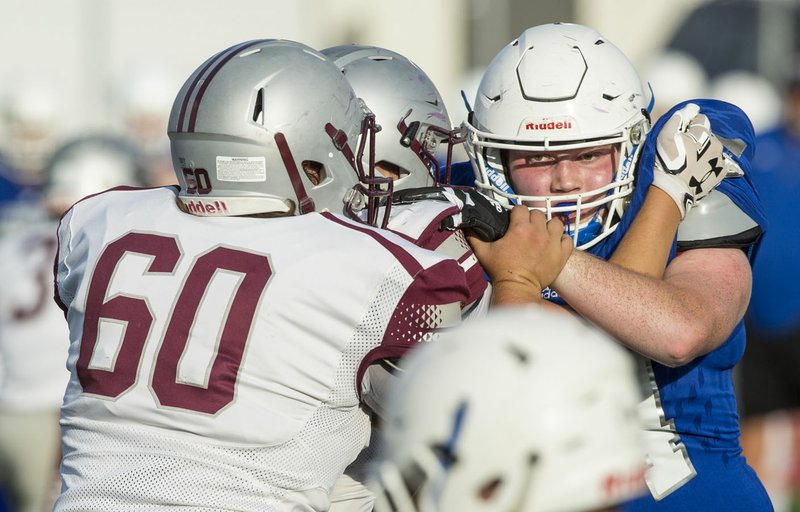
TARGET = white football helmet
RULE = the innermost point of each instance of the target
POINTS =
(268, 126)
(557, 87)
(407, 106)
(87, 165)
(525, 410)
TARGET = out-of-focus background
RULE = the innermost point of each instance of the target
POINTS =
(92, 64)
(72, 66)
(69, 68)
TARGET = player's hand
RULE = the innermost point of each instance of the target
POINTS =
(528, 257)
(481, 215)
(689, 159)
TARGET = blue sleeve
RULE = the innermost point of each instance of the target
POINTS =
(728, 122)
(9, 190)
(461, 174)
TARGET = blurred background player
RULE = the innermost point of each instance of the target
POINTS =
(560, 124)
(30, 130)
(769, 386)
(9, 190)
(30, 115)
(33, 336)
(501, 417)
(752, 93)
(674, 76)
(141, 99)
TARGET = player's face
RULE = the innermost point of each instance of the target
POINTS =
(538, 173)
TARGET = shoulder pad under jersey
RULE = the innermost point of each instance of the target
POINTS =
(716, 221)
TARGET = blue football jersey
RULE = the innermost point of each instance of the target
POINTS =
(775, 302)
(694, 415)
(697, 464)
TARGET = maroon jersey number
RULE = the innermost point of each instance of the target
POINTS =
(136, 314)
(44, 277)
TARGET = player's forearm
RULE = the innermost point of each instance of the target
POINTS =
(507, 293)
(646, 314)
(646, 246)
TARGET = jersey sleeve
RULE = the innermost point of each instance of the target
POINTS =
(62, 266)
(421, 224)
(431, 303)
(454, 244)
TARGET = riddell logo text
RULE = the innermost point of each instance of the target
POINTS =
(203, 208)
(549, 125)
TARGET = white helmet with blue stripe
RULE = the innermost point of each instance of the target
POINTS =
(524, 410)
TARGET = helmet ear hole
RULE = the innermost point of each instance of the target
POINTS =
(315, 171)
(390, 170)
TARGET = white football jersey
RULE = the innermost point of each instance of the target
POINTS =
(33, 335)
(216, 362)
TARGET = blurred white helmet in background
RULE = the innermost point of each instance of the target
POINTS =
(525, 410)
(675, 77)
(87, 165)
(143, 99)
(752, 93)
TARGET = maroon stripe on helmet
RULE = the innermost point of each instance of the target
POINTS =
(305, 203)
(408, 261)
(220, 62)
(189, 92)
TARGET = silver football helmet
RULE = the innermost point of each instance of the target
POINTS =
(87, 165)
(525, 410)
(268, 126)
(557, 87)
(407, 106)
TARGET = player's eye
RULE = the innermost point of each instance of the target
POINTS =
(540, 159)
(589, 156)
